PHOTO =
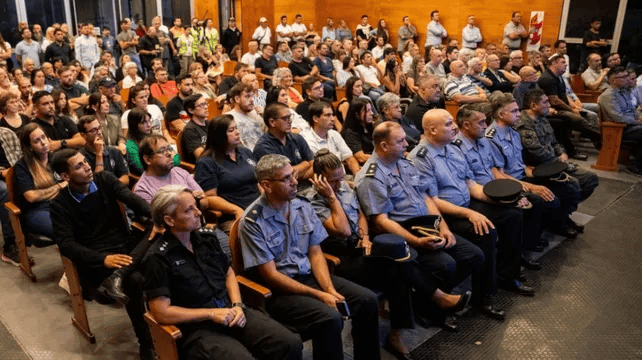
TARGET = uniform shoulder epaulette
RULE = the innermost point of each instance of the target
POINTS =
(372, 170)
(491, 133)
(205, 230)
(162, 246)
(422, 151)
(457, 142)
(254, 213)
(302, 196)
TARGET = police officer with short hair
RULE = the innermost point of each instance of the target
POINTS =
(390, 192)
(190, 283)
(484, 160)
(557, 198)
(280, 237)
(541, 147)
(448, 180)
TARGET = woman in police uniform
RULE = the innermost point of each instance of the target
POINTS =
(190, 284)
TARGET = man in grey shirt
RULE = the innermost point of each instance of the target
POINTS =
(406, 32)
(128, 40)
(514, 32)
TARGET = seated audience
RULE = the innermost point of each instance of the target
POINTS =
(303, 68)
(60, 130)
(10, 153)
(10, 109)
(347, 71)
(212, 318)
(594, 76)
(390, 110)
(428, 97)
(321, 135)
(61, 105)
(371, 76)
(417, 70)
(283, 77)
(131, 78)
(476, 76)
(38, 81)
(176, 114)
(202, 85)
(357, 129)
(139, 99)
(195, 132)
(93, 233)
(100, 156)
(394, 80)
(35, 182)
(314, 91)
(506, 68)
(616, 106)
(259, 94)
(241, 69)
(248, 121)
(305, 295)
(140, 124)
(225, 171)
(163, 89)
(459, 88)
(265, 65)
(492, 72)
(111, 128)
(280, 94)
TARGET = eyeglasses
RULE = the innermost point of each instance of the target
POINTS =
(201, 105)
(284, 118)
(93, 131)
(288, 179)
(164, 151)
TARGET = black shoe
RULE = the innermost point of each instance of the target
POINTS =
(450, 324)
(568, 233)
(521, 277)
(579, 156)
(12, 256)
(531, 264)
(491, 312)
(461, 304)
(113, 287)
(575, 226)
(515, 286)
(633, 170)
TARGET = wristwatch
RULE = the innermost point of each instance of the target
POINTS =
(63, 144)
(239, 304)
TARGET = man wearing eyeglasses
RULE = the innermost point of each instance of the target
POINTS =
(280, 237)
(279, 139)
(195, 132)
(101, 157)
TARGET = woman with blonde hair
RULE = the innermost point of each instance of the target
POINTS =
(49, 39)
(202, 85)
(10, 107)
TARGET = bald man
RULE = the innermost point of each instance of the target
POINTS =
(459, 88)
(449, 182)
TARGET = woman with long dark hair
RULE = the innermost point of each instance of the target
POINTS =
(35, 181)
(140, 125)
(395, 80)
(358, 128)
(139, 98)
(225, 170)
(62, 105)
(280, 94)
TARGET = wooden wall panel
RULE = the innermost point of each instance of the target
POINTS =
(206, 8)
(251, 12)
(293, 7)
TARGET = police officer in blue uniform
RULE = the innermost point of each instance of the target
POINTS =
(448, 180)
(279, 140)
(280, 237)
(540, 147)
(556, 198)
(189, 283)
(390, 192)
(484, 160)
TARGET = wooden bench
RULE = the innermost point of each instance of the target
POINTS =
(610, 152)
(452, 107)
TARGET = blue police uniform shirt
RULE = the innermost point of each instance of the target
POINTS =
(395, 189)
(296, 148)
(266, 235)
(234, 181)
(481, 156)
(444, 172)
(509, 146)
(346, 196)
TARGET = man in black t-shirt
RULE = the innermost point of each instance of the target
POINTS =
(241, 69)
(195, 132)
(265, 66)
(592, 42)
(303, 68)
(175, 110)
(61, 131)
(149, 47)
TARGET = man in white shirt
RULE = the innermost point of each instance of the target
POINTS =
(250, 125)
(377, 51)
(514, 32)
(435, 32)
(560, 48)
(321, 135)
(470, 34)
(298, 28)
(87, 50)
(252, 54)
(594, 76)
(262, 34)
(371, 76)
(283, 30)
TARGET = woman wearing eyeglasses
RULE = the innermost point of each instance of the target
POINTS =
(140, 126)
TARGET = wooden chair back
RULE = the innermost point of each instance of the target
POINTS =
(14, 216)
(341, 93)
(79, 318)
(283, 64)
(164, 338)
(235, 249)
(228, 67)
(298, 86)
(213, 109)
(179, 144)
(612, 133)
(452, 107)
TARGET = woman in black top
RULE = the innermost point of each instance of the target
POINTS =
(225, 170)
(35, 181)
(395, 80)
(357, 129)
(9, 107)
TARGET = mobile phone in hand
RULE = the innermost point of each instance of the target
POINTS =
(342, 306)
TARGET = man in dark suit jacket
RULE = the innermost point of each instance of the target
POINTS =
(499, 80)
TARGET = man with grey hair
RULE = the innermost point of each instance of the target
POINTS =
(594, 76)
(492, 72)
(435, 65)
(389, 105)
(428, 97)
(280, 237)
(517, 59)
(476, 75)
